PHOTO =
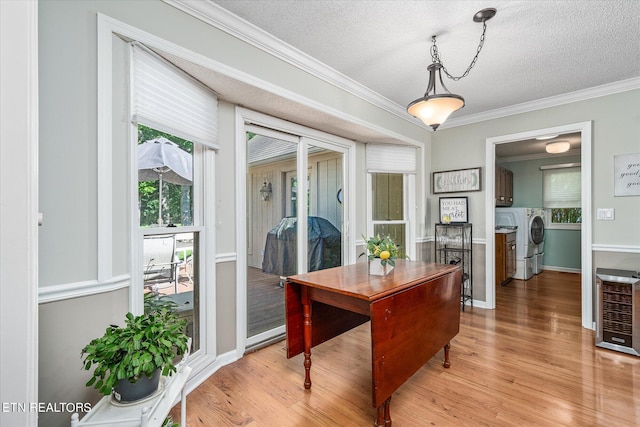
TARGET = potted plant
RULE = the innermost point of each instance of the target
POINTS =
(129, 360)
(382, 253)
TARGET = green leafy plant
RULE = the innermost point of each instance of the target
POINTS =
(145, 344)
(168, 422)
(384, 248)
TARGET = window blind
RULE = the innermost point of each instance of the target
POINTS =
(561, 188)
(386, 158)
(167, 99)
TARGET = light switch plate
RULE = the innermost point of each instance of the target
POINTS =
(606, 214)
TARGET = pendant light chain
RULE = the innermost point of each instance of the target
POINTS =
(435, 56)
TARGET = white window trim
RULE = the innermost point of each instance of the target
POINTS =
(409, 208)
(204, 362)
(556, 225)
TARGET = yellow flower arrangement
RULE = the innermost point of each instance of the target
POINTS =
(384, 248)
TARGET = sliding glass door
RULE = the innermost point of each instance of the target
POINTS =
(294, 224)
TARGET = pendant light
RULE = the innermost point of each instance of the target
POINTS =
(435, 107)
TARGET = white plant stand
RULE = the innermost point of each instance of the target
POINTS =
(149, 412)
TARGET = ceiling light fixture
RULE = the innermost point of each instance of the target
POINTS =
(434, 108)
(557, 147)
(542, 138)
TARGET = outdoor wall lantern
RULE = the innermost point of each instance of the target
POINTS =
(434, 107)
(265, 191)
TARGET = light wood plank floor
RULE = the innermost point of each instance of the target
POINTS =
(265, 302)
(527, 363)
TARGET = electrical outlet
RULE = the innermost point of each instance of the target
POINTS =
(607, 214)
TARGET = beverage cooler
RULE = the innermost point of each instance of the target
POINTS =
(618, 310)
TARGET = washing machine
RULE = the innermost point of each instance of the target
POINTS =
(529, 225)
(536, 236)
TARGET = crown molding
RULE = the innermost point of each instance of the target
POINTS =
(552, 101)
(226, 21)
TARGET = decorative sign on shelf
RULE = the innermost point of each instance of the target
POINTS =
(626, 179)
(456, 181)
(454, 210)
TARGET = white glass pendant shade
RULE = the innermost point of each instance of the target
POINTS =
(434, 110)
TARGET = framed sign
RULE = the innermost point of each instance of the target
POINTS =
(626, 178)
(455, 209)
(456, 181)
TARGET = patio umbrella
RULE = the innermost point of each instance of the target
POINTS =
(163, 160)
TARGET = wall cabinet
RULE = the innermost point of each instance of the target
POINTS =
(504, 186)
(505, 257)
(453, 246)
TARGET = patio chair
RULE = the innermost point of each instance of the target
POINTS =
(160, 263)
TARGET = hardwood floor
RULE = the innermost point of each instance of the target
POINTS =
(527, 363)
(265, 302)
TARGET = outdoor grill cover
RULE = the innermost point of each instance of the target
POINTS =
(324, 246)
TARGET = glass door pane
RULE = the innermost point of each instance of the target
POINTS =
(271, 228)
(324, 206)
(276, 220)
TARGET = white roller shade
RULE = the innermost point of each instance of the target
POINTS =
(561, 188)
(169, 100)
(385, 158)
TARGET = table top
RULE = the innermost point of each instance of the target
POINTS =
(354, 280)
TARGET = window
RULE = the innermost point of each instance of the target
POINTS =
(391, 186)
(174, 118)
(388, 207)
(168, 201)
(562, 195)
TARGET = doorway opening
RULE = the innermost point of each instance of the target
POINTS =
(492, 144)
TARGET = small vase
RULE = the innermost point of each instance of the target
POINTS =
(377, 269)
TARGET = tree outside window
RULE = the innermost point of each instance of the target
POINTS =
(177, 205)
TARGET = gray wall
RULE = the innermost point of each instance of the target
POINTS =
(68, 172)
(68, 243)
(616, 130)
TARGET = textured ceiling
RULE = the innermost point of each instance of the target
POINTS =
(533, 49)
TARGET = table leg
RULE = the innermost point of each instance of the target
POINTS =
(306, 314)
(384, 414)
(447, 362)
